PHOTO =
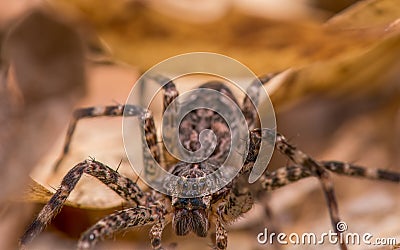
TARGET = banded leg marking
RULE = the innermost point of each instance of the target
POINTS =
(221, 235)
(155, 234)
(282, 177)
(252, 93)
(124, 219)
(123, 186)
(358, 171)
(106, 111)
(319, 171)
(170, 125)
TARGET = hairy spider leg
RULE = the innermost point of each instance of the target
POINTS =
(319, 171)
(221, 235)
(124, 187)
(348, 169)
(104, 111)
(252, 94)
(169, 115)
(156, 232)
(170, 93)
(286, 175)
(124, 219)
(291, 152)
(298, 157)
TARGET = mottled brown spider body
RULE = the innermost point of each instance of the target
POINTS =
(192, 214)
(201, 119)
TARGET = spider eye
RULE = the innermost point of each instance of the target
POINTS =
(196, 202)
(191, 203)
(180, 203)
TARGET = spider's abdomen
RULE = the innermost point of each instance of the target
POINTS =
(202, 119)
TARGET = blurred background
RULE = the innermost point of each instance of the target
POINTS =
(337, 98)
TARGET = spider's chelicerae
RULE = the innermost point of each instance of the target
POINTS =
(192, 214)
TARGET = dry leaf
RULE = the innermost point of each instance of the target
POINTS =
(138, 34)
(367, 14)
(338, 60)
(326, 57)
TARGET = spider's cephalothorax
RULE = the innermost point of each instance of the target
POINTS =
(192, 214)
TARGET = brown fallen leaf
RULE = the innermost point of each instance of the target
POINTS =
(326, 57)
(324, 60)
(339, 75)
(356, 75)
(138, 34)
(367, 15)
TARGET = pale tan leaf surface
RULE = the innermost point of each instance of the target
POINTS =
(99, 138)
(35, 192)
(367, 14)
(356, 75)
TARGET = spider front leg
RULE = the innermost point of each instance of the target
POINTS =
(282, 177)
(313, 167)
(124, 219)
(358, 171)
(170, 123)
(317, 170)
(123, 186)
(170, 93)
(221, 235)
(308, 167)
(93, 112)
(156, 232)
(249, 109)
(238, 202)
(286, 175)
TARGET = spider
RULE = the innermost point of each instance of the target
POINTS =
(198, 213)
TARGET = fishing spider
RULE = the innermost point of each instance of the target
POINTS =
(198, 213)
